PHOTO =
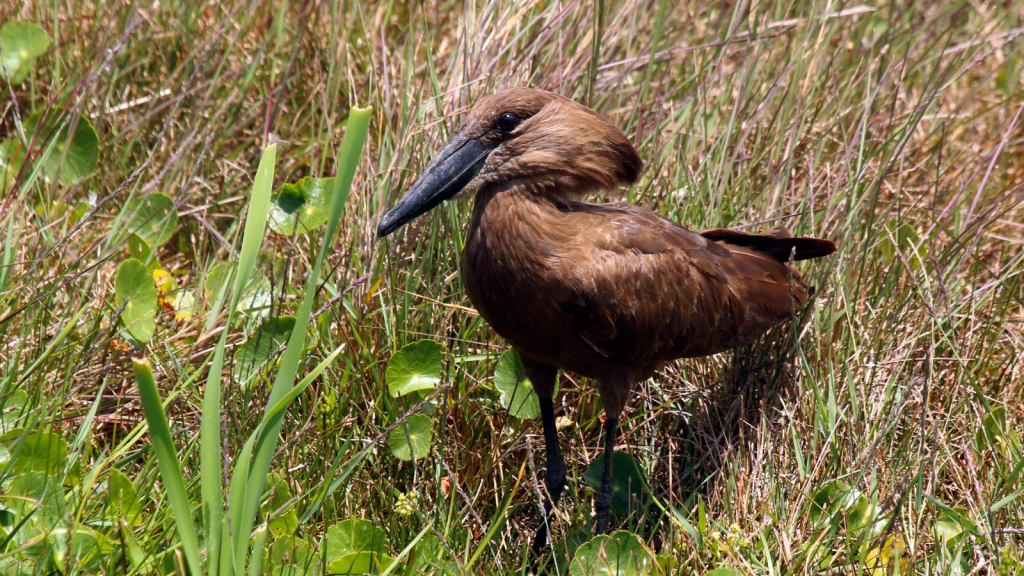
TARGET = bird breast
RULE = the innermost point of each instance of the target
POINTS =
(511, 268)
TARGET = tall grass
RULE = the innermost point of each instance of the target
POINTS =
(894, 129)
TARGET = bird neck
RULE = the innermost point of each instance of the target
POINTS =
(516, 216)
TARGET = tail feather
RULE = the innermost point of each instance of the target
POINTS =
(777, 243)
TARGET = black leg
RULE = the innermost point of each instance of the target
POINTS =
(603, 502)
(554, 478)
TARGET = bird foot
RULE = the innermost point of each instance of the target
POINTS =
(540, 539)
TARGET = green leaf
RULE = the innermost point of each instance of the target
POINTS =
(72, 157)
(13, 410)
(44, 452)
(361, 563)
(627, 482)
(141, 251)
(38, 492)
(291, 555)
(302, 206)
(136, 294)
(13, 566)
(993, 429)
(353, 536)
(617, 554)
(280, 494)
(724, 572)
(412, 438)
(244, 495)
(834, 497)
(426, 554)
(1008, 76)
(39, 500)
(517, 394)
(215, 280)
(415, 367)
(86, 549)
(258, 298)
(21, 43)
(152, 219)
(577, 536)
(272, 334)
(122, 499)
(862, 514)
(243, 500)
(950, 524)
(167, 459)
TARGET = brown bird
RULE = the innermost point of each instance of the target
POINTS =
(607, 291)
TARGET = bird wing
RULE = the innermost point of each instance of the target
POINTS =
(640, 289)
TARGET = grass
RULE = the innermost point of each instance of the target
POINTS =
(894, 129)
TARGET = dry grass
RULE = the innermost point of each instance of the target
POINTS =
(894, 129)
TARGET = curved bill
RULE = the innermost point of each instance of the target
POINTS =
(447, 175)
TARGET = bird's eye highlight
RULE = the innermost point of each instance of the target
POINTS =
(507, 122)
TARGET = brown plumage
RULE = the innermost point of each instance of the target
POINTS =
(607, 291)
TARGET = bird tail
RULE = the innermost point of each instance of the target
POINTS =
(778, 243)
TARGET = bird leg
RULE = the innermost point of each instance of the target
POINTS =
(554, 477)
(543, 379)
(603, 501)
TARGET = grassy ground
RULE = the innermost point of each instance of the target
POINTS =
(894, 129)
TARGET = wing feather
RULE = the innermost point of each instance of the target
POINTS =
(642, 289)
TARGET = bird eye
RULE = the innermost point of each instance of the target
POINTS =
(507, 122)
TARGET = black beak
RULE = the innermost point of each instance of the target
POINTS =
(450, 172)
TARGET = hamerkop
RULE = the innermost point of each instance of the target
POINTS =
(607, 291)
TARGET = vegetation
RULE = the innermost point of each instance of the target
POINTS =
(201, 332)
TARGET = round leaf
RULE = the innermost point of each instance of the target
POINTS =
(302, 206)
(20, 44)
(86, 548)
(257, 297)
(13, 410)
(122, 498)
(830, 499)
(141, 251)
(993, 429)
(136, 295)
(517, 394)
(215, 281)
(73, 158)
(261, 345)
(353, 536)
(618, 554)
(280, 494)
(291, 556)
(41, 496)
(415, 367)
(185, 307)
(627, 482)
(361, 563)
(412, 438)
(860, 514)
(951, 523)
(152, 219)
(41, 452)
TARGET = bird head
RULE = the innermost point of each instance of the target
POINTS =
(523, 136)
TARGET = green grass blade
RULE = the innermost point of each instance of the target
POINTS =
(258, 544)
(240, 482)
(499, 519)
(263, 452)
(278, 409)
(167, 458)
(210, 439)
(255, 220)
